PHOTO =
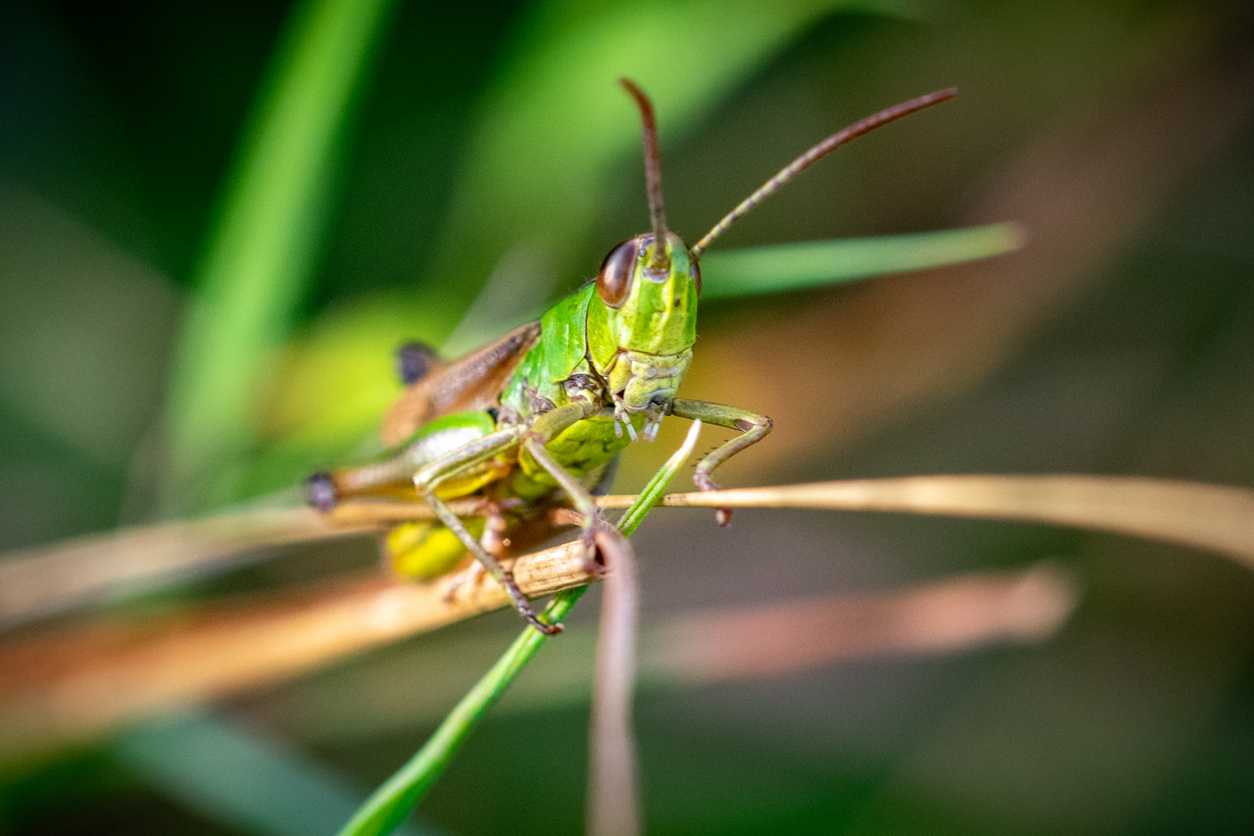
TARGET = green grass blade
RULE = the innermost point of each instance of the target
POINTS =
(783, 267)
(392, 802)
(239, 777)
(259, 253)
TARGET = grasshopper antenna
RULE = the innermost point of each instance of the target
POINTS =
(825, 147)
(660, 262)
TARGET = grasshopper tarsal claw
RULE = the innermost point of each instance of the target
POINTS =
(521, 604)
(721, 515)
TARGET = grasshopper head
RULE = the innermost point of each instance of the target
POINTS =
(643, 321)
(650, 310)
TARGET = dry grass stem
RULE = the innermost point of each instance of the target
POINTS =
(1212, 517)
(66, 684)
(612, 798)
(59, 577)
(51, 579)
(943, 617)
(748, 641)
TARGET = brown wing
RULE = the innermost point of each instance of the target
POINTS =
(470, 383)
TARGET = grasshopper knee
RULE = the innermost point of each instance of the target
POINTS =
(756, 422)
(320, 491)
(414, 361)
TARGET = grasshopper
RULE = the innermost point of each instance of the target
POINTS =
(543, 412)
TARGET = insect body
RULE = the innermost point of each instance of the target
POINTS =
(541, 413)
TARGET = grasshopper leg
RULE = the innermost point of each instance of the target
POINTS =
(753, 428)
(494, 568)
(596, 532)
(493, 542)
(428, 479)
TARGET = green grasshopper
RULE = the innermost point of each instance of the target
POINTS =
(541, 413)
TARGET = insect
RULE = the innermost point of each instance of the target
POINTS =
(539, 416)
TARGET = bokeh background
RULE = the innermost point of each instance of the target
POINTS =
(490, 141)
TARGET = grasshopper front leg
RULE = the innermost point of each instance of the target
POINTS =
(596, 532)
(753, 428)
(532, 438)
(428, 479)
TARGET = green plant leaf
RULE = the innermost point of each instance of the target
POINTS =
(259, 253)
(782, 267)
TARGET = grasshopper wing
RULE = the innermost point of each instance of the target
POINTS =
(467, 384)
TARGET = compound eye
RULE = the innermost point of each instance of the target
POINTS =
(696, 275)
(614, 280)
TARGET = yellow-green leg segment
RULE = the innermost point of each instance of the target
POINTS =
(753, 428)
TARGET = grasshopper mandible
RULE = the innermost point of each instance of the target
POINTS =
(541, 413)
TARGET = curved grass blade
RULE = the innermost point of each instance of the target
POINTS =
(392, 802)
(783, 267)
(389, 805)
(263, 242)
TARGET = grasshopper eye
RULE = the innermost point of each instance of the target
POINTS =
(696, 275)
(614, 280)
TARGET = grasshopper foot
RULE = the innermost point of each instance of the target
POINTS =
(721, 515)
(524, 607)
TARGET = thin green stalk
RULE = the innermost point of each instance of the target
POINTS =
(785, 267)
(391, 803)
(260, 251)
